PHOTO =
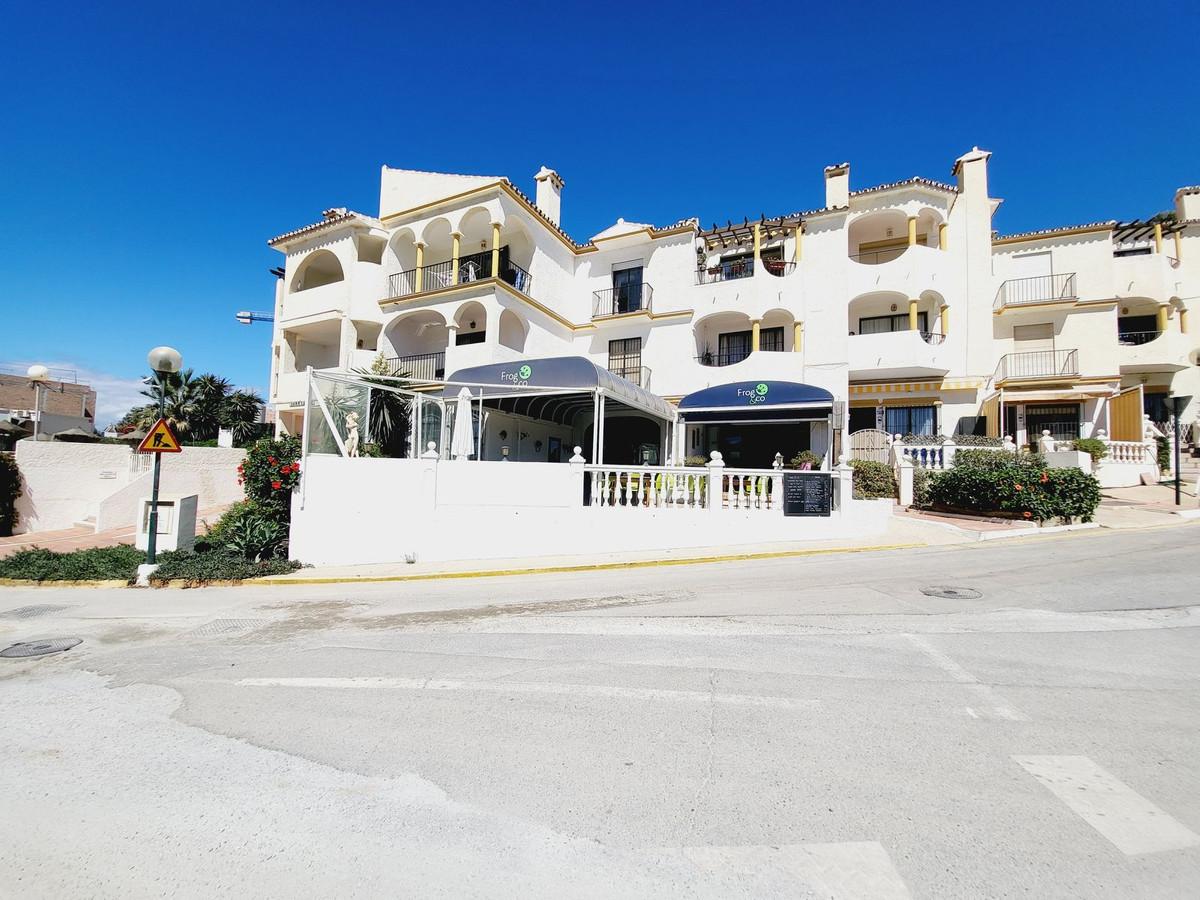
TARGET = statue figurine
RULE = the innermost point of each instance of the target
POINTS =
(352, 434)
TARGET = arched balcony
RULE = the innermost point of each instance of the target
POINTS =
(892, 335)
(318, 269)
(880, 237)
(415, 345)
(728, 338)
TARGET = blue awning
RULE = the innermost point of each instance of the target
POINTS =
(561, 374)
(751, 400)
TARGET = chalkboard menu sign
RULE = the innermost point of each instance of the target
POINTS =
(807, 493)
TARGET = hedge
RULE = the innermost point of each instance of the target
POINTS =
(193, 569)
(1020, 486)
(872, 479)
(93, 564)
(10, 490)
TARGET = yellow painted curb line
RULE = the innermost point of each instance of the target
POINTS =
(587, 567)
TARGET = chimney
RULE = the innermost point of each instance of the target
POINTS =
(971, 171)
(1187, 203)
(837, 186)
(549, 193)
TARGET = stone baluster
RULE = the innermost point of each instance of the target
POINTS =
(716, 470)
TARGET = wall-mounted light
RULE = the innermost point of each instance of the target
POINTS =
(893, 307)
(889, 232)
(504, 437)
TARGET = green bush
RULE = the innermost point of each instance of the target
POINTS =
(806, 456)
(983, 459)
(246, 529)
(10, 490)
(193, 569)
(1019, 486)
(1093, 447)
(923, 440)
(268, 474)
(922, 481)
(977, 440)
(872, 479)
(96, 563)
(1162, 454)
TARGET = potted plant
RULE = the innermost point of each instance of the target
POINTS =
(805, 460)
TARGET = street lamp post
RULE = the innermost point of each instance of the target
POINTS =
(39, 375)
(163, 361)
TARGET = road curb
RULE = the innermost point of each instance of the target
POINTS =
(587, 567)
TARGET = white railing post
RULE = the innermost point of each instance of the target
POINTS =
(577, 476)
(716, 469)
(429, 474)
(1008, 444)
(949, 448)
(844, 475)
(904, 482)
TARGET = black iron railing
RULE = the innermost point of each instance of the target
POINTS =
(1037, 289)
(473, 267)
(516, 276)
(728, 358)
(624, 299)
(876, 257)
(639, 375)
(1037, 364)
(419, 366)
(779, 267)
(932, 337)
(725, 271)
(1136, 338)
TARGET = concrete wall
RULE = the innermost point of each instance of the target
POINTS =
(69, 483)
(356, 511)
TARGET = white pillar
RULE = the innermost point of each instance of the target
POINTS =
(844, 476)
(716, 471)
(904, 480)
(600, 428)
(577, 476)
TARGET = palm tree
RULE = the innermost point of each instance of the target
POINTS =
(213, 391)
(389, 411)
(239, 412)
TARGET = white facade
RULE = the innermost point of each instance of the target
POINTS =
(899, 300)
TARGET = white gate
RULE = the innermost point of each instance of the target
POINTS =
(870, 443)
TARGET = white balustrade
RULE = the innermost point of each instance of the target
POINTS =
(683, 487)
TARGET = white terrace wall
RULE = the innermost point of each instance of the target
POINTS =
(355, 511)
(68, 483)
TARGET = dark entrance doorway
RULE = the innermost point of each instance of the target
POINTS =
(753, 446)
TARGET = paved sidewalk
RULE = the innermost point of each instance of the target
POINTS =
(81, 537)
(1144, 506)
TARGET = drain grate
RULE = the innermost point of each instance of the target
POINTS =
(220, 627)
(44, 647)
(951, 593)
(29, 612)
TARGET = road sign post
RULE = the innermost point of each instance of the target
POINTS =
(1177, 405)
(158, 440)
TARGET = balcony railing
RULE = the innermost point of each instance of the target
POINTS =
(639, 375)
(1037, 289)
(1136, 338)
(779, 267)
(625, 299)
(725, 271)
(1037, 364)
(876, 257)
(420, 366)
(438, 275)
(932, 337)
(728, 358)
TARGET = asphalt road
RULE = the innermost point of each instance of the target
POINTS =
(813, 727)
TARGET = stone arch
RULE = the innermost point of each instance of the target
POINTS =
(873, 305)
(471, 322)
(512, 330)
(416, 333)
(319, 268)
(877, 237)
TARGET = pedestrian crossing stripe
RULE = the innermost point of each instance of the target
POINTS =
(160, 439)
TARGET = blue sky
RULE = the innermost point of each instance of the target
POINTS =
(149, 151)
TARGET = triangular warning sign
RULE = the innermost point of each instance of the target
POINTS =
(160, 439)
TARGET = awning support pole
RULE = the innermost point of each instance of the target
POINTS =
(600, 449)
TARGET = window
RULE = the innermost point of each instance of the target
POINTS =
(1133, 330)
(885, 324)
(627, 289)
(469, 337)
(625, 358)
(732, 347)
(910, 420)
(770, 339)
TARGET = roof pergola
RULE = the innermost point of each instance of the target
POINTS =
(1142, 229)
(733, 234)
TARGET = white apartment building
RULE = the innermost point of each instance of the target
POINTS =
(891, 308)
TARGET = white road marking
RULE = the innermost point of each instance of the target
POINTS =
(993, 704)
(530, 687)
(1130, 821)
(849, 871)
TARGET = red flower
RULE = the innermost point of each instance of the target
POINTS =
(276, 484)
(271, 460)
(1045, 478)
(1027, 514)
(1018, 487)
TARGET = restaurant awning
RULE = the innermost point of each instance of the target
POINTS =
(536, 387)
(757, 401)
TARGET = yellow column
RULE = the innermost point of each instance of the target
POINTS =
(757, 245)
(495, 249)
(798, 337)
(1178, 236)
(912, 315)
(419, 281)
(456, 238)
(800, 240)
(912, 231)
(942, 236)
(945, 320)
(1158, 237)
(1162, 317)
(755, 325)
(1183, 321)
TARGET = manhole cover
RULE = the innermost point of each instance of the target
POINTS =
(39, 648)
(28, 612)
(951, 593)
